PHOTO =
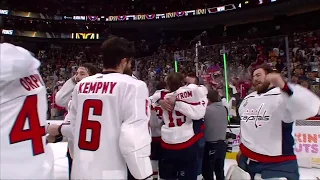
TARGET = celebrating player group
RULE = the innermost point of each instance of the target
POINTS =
(116, 130)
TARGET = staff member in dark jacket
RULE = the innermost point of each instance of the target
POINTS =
(216, 122)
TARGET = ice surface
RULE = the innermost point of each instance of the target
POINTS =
(61, 164)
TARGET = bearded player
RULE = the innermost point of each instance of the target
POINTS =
(267, 117)
(110, 113)
(24, 153)
(128, 71)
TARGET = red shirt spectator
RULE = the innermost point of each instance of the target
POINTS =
(54, 105)
(243, 88)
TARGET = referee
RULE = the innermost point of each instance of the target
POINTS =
(216, 122)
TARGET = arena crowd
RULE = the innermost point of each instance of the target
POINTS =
(246, 46)
(60, 61)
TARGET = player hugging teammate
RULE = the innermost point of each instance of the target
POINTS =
(156, 122)
(182, 108)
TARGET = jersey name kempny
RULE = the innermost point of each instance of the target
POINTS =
(257, 115)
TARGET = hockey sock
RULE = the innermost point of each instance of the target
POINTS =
(154, 164)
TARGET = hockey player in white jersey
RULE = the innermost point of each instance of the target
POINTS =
(156, 123)
(63, 99)
(267, 117)
(23, 112)
(182, 129)
(63, 96)
(110, 114)
(192, 78)
(128, 71)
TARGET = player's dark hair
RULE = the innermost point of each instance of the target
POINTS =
(161, 85)
(267, 69)
(114, 49)
(175, 81)
(213, 96)
(92, 70)
(194, 75)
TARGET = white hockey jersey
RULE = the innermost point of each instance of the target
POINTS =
(179, 130)
(63, 99)
(156, 120)
(63, 96)
(267, 121)
(23, 112)
(110, 114)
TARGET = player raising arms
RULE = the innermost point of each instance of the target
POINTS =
(24, 153)
(156, 123)
(267, 117)
(110, 113)
(182, 129)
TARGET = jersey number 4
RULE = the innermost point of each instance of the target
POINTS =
(29, 112)
(86, 124)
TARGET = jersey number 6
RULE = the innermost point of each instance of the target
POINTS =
(94, 142)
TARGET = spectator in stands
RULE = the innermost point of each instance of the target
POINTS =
(60, 60)
(192, 78)
(56, 111)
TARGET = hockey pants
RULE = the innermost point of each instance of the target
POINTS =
(288, 169)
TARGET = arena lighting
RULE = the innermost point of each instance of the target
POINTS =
(226, 76)
(141, 17)
(4, 11)
(175, 65)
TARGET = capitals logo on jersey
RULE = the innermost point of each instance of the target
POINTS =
(259, 116)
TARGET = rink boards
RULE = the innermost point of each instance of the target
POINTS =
(307, 141)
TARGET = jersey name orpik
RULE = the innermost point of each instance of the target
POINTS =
(259, 116)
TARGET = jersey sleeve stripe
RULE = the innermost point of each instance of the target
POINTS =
(183, 145)
(191, 103)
